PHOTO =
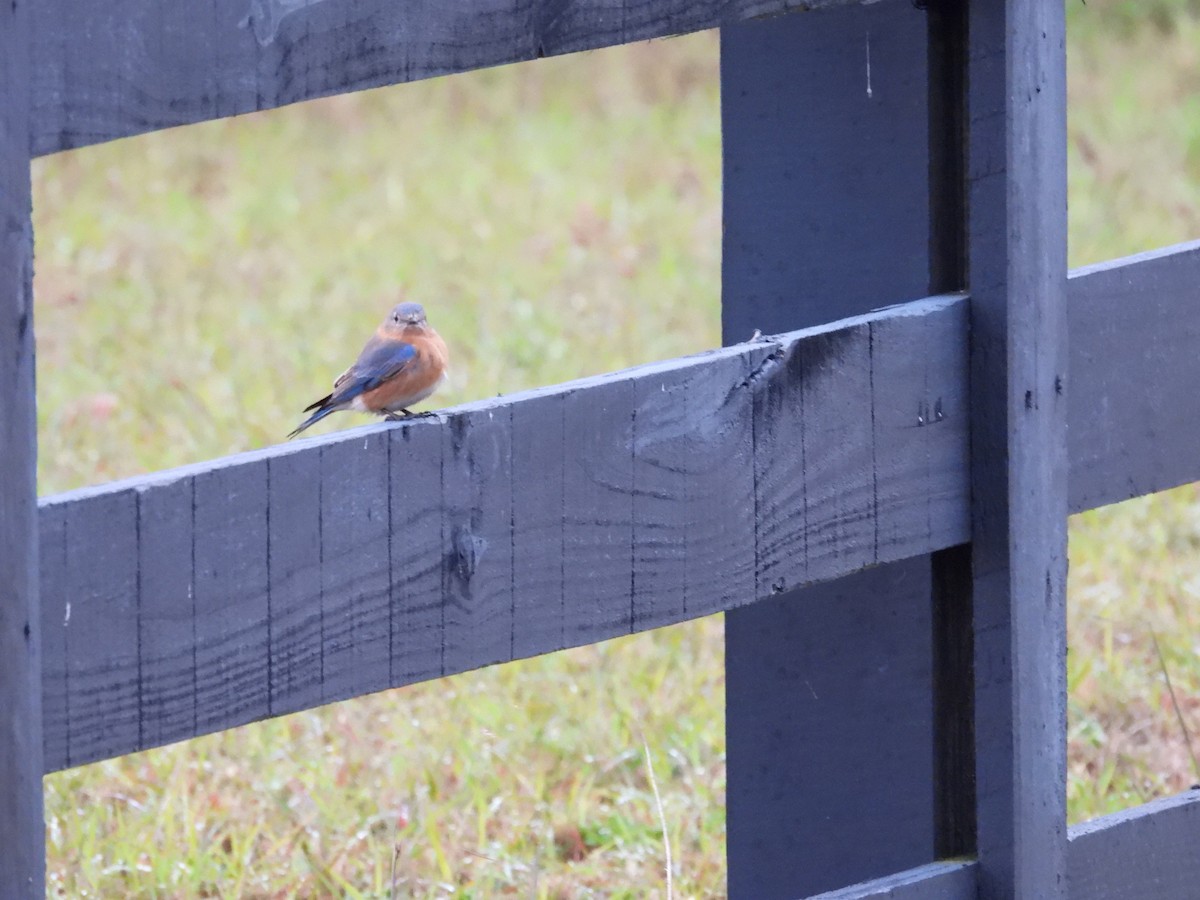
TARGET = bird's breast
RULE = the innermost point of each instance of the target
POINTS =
(413, 383)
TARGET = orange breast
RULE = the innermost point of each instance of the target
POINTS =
(417, 380)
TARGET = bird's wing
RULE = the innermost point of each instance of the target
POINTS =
(328, 398)
(379, 362)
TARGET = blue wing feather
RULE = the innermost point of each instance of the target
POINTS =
(380, 361)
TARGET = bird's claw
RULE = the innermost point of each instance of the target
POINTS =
(390, 416)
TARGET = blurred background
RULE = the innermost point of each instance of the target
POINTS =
(196, 288)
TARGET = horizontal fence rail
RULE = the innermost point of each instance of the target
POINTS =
(1147, 851)
(199, 599)
(108, 70)
(952, 880)
(202, 598)
(1134, 414)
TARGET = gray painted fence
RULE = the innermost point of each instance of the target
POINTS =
(821, 485)
(21, 841)
(1149, 851)
(203, 598)
(799, 251)
(117, 68)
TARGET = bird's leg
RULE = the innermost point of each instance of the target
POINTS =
(407, 412)
(389, 416)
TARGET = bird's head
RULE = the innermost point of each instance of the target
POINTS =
(404, 315)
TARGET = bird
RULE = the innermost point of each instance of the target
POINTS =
(403, 363)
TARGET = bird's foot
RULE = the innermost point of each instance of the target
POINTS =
(391, 416)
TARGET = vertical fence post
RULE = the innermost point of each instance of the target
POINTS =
(827, 214)
(1016, 176)
(22, 842)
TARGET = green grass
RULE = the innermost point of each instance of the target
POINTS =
(196, 288)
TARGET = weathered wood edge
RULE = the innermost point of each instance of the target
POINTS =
(268, 624)
(944, 880)
(106, 70)
(1020, 385)
(1148, 851)
(22, 833)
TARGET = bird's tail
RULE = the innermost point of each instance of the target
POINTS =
(313, 419)
(327, 400)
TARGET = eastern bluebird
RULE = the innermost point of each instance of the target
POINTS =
(402, 364)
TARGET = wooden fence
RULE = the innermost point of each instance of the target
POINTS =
(878, 500)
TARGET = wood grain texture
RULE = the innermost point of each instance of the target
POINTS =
(1148, 851)
(165, 580)
(294, 610)
(837, 445)
(22, 844)
(598, 509)
(101, 624)
(229, 600)
(355, 599)
(477, 530)
(539, 511)
(1016, 239)
(1134, 407)
(950, 880)
(842, 462)
(826, 214)
(116, 68)
(693, 487)
(940, 407)
(417, 559)
(462, 539)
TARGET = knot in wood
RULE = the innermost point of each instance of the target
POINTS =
(466, 553)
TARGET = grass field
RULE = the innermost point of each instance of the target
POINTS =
(197, 288)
